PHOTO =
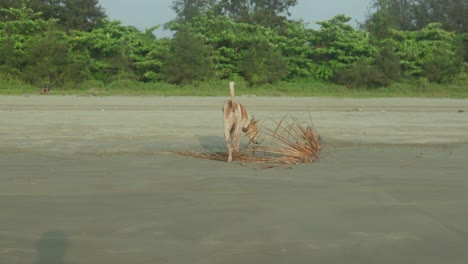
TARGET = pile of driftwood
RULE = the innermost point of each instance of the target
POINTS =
(290, 142)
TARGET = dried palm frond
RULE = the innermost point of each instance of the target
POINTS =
(290, 142)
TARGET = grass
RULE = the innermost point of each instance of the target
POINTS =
(299, 88)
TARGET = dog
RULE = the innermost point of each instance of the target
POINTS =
(236, 119)
(45, 89)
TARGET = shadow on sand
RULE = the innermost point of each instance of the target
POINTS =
(212, 144)
(52, 247)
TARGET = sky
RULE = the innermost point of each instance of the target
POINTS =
(147, 13)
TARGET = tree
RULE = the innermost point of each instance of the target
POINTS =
(371, 72)
(389, 14)
(336, 45)
(431, 53)
(188, 60)
(452, 14)
(295, 42)
(252, 51)
(82, 14)
(262, 64)
(121, 52)
(6, 4)
(417, 14)
(20, 28)
(186, 10)
(49, 61)
(269, 13)
(33, 50)
(71, 14)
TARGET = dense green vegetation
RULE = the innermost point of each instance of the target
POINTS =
(404, 48)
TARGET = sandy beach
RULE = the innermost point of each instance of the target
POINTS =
(96, 180)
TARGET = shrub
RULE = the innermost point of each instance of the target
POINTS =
(188, 60)
(262, 64)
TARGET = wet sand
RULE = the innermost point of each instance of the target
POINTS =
(94, 180)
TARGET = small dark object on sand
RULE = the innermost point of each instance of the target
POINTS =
(45, 89)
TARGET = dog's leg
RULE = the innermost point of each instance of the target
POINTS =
(229, 152)
(234, 140)
(228, 138)
(238, 138)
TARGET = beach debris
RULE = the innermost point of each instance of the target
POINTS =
(289, 142)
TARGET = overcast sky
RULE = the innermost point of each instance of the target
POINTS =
(146, 13)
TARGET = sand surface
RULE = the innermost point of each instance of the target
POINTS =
(94, 180)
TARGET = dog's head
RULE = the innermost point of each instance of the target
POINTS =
(252, 130)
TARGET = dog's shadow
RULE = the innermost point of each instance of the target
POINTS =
(212, 144)
(213, 148)
(217, 145)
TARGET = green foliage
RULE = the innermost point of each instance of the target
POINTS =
(61, 43)
(388, 63)
(118, 51)
(462, 40)
(16, 33)
(417, 14)
(70, 14)
(48, 61)
(431, 53)
(189, 59)
(380, 71)
(336, 45)
(187, 10)
(267, 13)
(294, 41)
(235, 43)
(262, 64)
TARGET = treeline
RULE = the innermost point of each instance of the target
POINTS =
(67, 42)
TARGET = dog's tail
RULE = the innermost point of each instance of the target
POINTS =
(231, 89)
(233, 101)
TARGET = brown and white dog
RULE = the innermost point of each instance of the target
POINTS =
(235, 120)
(45, 89)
